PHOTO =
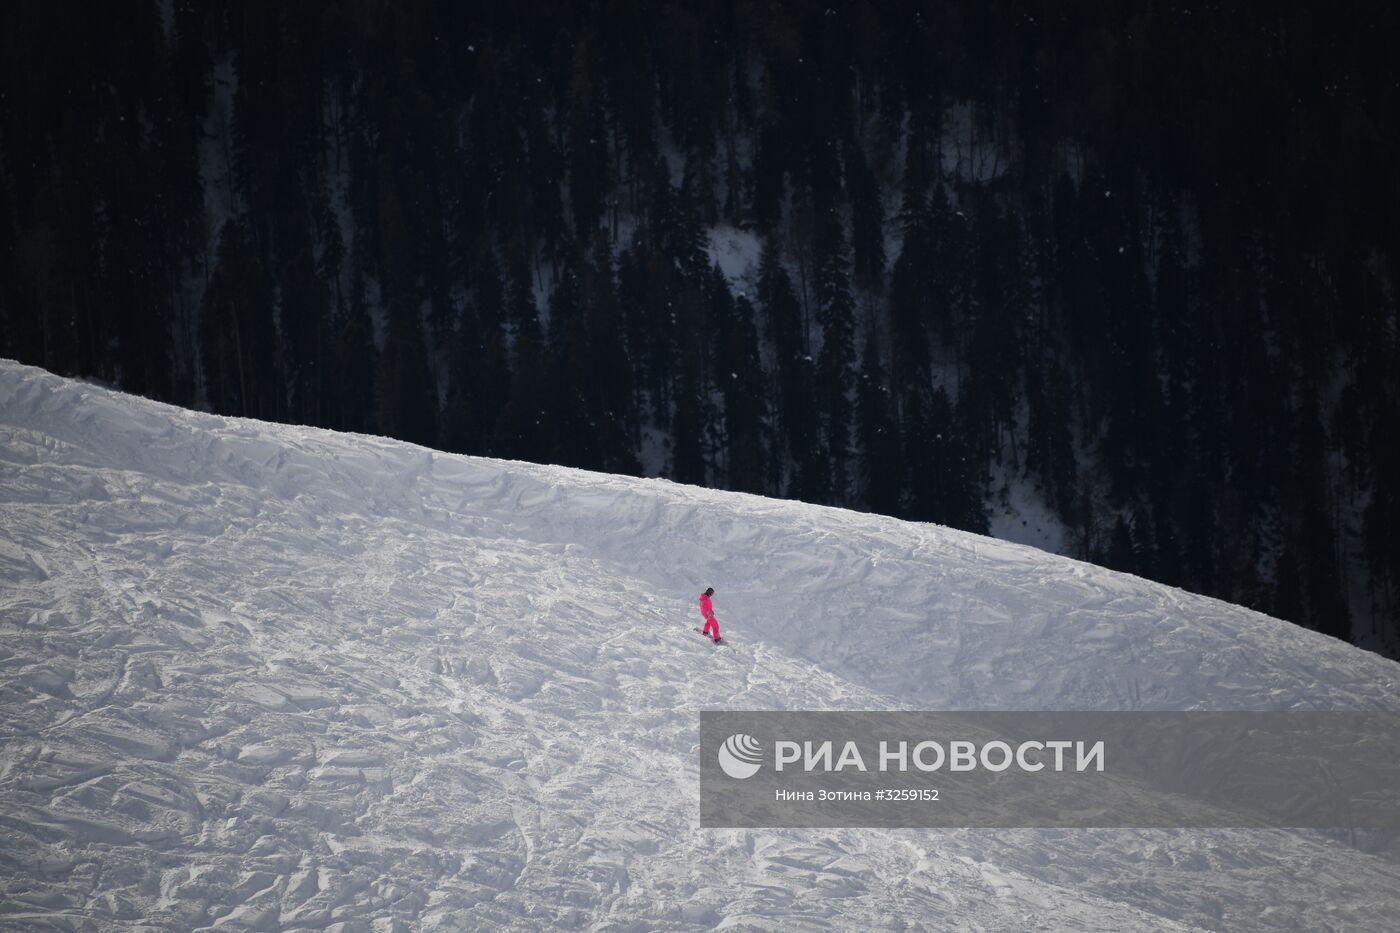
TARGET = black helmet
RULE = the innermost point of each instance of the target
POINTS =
(710, 591)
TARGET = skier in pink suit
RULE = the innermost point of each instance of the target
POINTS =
(707, 610)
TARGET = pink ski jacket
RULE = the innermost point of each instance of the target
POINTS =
(706, 609)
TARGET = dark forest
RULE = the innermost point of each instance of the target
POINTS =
(1134, 262)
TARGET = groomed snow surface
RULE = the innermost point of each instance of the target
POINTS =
(260, 676)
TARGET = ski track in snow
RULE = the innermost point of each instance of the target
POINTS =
(271, 677)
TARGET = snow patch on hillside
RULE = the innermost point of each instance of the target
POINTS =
(736, 252)
(1017, 512)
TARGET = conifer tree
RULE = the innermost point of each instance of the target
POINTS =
(237, 335)
(835, 360)
(881, 482)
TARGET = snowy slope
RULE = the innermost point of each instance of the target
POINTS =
(273, 677)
